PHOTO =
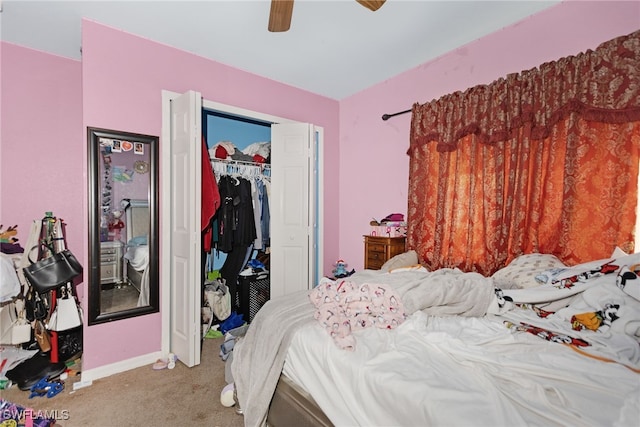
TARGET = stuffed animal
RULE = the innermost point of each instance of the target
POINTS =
(340, 270)
(116, 225)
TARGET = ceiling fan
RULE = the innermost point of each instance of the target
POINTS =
(281, 11)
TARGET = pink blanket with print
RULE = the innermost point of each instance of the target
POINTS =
(343, 306)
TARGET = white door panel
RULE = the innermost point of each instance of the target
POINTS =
(184, 242)
(290, 217)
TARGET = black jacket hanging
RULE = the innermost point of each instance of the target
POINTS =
(236, 222)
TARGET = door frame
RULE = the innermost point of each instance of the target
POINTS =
(165, 306)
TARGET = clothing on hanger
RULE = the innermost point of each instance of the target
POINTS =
(210, 197)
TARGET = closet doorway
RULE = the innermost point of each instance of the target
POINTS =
(240, 153)
(296, 213)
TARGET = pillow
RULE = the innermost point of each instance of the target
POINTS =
(618, 253)
(406, 259)
(521, 272)
(137, 241)
(416, 267)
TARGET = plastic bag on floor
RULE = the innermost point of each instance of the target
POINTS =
(219, 298)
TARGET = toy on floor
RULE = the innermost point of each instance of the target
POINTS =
(46, 388)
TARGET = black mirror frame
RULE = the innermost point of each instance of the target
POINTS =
(95, 316)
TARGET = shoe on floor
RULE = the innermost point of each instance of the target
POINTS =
(226, 396)
(160, 364)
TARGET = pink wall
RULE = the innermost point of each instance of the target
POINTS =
(122, 79)
(373, 161)
(41, 155)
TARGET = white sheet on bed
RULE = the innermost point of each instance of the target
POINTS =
(458, 371)
(138, 256)
(438, 368)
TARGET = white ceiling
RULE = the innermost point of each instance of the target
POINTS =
(334, 48)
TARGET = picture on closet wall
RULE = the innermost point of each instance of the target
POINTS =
(138, 148)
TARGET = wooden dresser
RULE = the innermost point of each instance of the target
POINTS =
(377, 250)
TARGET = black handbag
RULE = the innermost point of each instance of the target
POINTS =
(36, 308)
(52, 272)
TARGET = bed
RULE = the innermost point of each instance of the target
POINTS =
(137, 250)
(536, 343)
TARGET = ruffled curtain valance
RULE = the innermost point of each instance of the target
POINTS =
(601, 85)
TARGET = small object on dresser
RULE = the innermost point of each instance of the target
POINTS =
(394, 217)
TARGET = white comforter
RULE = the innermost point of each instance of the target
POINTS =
(455, 371)
(435, 368)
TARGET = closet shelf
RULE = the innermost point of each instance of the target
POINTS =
(241, 162)
(240, 167)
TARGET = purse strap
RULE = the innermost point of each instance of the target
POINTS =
(51, 231)
(47, 234)
(31, 251)
(67, 292)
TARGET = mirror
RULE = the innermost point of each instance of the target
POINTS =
(123, 225)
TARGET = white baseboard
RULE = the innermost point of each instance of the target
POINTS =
(91, 375)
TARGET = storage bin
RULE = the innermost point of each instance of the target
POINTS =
(254, 293)
(391, 229)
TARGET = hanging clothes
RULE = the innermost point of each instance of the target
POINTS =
(256, 189)
(210, 197)
(236, 222)
(237, 230)
(265, 217)
(258, 176)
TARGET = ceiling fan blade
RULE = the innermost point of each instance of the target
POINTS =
(372, 4)
(280, 15)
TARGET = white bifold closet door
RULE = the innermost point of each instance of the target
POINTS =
(295, 218)
(184, 245)
(292, 218)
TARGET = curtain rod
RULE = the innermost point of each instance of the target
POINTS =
(388, 116)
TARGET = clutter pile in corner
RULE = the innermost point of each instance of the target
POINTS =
(16, 415)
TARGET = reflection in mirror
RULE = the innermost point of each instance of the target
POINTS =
(123, 225)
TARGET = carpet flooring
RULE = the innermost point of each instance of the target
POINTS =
(143, 397)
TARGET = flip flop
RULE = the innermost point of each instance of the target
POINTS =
(160, 364)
